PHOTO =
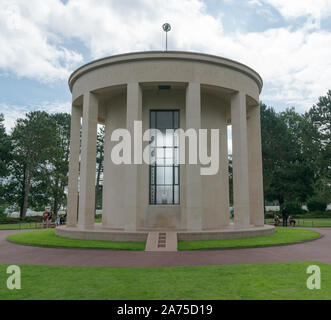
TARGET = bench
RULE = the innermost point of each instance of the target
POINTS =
(44, 225)
(47, 225)
(280, 224)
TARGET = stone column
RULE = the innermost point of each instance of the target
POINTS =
(114, 184)
(88, 162)
(133, 113)
(240, 160)
(109, 186)
(256, 202)
(193, 177)
(72, 199)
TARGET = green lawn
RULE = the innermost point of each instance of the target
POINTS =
(47, 237)
(309, 222)
(281, 236)
(256, 281)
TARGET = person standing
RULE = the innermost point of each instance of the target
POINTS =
(284, 216)
(46, 214)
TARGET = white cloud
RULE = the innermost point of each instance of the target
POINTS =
(294, 64)
(29, 50)
(317, 9)
(13, 112)
(256, 2)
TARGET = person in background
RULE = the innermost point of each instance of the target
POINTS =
(50, 219)
(292, 221)
(57, 221)
(232, 213)
(285, 216)
(46, 215)
(276, 219)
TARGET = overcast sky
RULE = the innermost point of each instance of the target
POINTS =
(288, 42)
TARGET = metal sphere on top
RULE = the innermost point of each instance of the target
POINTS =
(166, 27)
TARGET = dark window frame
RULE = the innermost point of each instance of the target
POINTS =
(153, 184)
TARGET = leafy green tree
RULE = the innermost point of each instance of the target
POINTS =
(52, 176)
(274, 139)
(287, 152)
(302, 160)
(60, 164)
(320, 117)
(5, 147)
(34, 139)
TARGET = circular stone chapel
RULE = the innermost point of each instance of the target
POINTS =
(163, 91)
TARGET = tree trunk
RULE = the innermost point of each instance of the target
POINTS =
(56, 198)
(281, 201)
(55, 206)
(22, 194)
(97, 186)
(26, 193)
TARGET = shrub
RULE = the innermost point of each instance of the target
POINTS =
(2, 210)
(98, 217)
(314, 215)
(293, 208)
(270, 215)
(4, 219)
(316, 205)
(33, 219)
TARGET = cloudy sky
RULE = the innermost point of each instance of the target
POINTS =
(42, 41)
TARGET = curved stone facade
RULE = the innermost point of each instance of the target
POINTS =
(206, 92)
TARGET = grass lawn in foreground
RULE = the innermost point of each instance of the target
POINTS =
(255, 281)
(47, 237)
(281, 236)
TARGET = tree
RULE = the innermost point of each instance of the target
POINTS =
(302, 161)
(320, 118)
(34, 141)
(60, 164)
(288, 155)
(230, 170)
(100, 162)
(273, 136)
(52, 177)
(5, 147)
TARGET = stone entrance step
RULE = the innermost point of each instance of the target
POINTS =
(161, 241)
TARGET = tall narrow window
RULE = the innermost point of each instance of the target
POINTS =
(164, 170)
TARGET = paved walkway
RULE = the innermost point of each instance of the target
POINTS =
(161, 241)
(317, 250)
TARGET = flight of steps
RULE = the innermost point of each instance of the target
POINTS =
(161, 241)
